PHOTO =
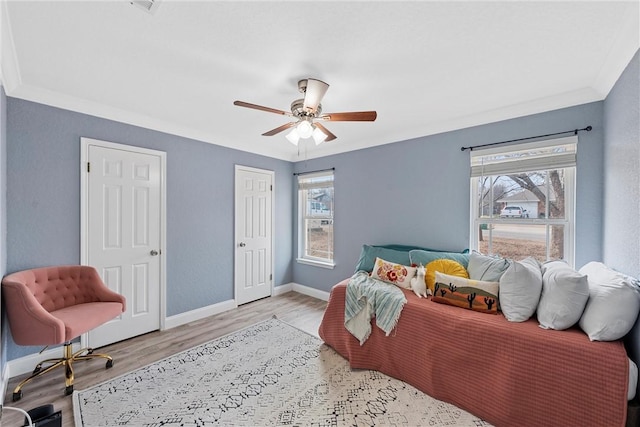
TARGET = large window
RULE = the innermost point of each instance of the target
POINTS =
(523, 198)
(315, 213)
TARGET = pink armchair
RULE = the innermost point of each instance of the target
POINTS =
(54, 305)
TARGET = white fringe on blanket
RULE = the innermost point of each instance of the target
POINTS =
(367, 297)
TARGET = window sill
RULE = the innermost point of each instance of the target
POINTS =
(329, 265)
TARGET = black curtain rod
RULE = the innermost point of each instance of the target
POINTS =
(575, 132)
(319, 170)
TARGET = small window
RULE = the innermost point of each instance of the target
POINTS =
(315, 213)
(523, 198)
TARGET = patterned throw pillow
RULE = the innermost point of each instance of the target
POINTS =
(471, 294)
(390, 272)
(446, 266)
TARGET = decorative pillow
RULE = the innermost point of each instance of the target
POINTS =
(520, 288)
(613, 303)
(484, 267)
(419, 256)
(446, 266)
(564, 295)
(368, 256)
(390, 272)
(471, 294)
(633, 379)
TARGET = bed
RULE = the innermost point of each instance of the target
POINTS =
(503, 372)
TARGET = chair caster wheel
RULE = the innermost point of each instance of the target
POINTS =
(17, 396)
(68, 390)
(89, 351)
(109, 364)
(37, 369)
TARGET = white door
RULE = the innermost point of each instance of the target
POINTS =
(253, 236)
(123, 191)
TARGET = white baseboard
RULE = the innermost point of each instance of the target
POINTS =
(301, 289)
(4, 383)
(282, 289)
(199, 313)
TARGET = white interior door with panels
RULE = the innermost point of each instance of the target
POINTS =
(123, 192)
(253, 234)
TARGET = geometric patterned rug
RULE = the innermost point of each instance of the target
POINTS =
(269, 374)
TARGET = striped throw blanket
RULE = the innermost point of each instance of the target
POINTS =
(367, 297)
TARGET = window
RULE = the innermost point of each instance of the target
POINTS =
(315, 213)
(523, 198)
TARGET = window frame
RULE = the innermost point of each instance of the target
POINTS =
(568, 222)
(302, 217)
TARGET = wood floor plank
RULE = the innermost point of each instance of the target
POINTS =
(301, 311)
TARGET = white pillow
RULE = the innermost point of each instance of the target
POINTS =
(486, 268)
(390, 272)
(520, 288)
(613, 303)
(633, 380)
(564, 294)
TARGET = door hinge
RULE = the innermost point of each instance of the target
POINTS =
(271, 187)
(271, 276)
(88, 167)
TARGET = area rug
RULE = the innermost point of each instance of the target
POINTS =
(269, 374)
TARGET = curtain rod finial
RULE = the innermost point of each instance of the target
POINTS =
(588, 128)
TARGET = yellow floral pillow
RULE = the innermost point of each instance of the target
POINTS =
(390, 272)
(446, 266)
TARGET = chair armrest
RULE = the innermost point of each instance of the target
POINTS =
(30, 323)
(102, 291)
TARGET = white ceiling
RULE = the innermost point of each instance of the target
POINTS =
(425, 67)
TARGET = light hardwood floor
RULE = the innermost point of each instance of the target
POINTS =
(299, 310)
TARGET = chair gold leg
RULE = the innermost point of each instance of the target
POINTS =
(17, 392)
(67, 362)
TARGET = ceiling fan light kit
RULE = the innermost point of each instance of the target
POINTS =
(308, 109)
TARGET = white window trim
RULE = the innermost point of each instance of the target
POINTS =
(301, 258)
(570, 195)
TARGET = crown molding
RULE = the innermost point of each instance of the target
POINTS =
(622, 51)
(9, 69)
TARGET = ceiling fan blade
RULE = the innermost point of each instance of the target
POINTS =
(260, 107)
(314, 93)
(330, 136)
(279, 129)
(353, 116)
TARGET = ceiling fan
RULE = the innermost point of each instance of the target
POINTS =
(308, 113)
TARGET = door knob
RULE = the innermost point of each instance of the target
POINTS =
(153, 252)
(242, 244)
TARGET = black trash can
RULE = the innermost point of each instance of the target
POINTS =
(44, 416)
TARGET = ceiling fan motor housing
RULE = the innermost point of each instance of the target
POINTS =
(297, 109)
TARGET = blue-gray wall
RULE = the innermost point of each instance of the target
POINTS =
(621, 222)
(43, 202)
(621, 225)
(417, 192)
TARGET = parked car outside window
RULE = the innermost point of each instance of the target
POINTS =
(514, 212)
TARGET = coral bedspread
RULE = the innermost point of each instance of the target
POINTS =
(506, 373)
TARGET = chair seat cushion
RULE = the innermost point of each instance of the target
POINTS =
(81, 318)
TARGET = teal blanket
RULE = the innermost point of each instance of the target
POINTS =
(367, 297)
